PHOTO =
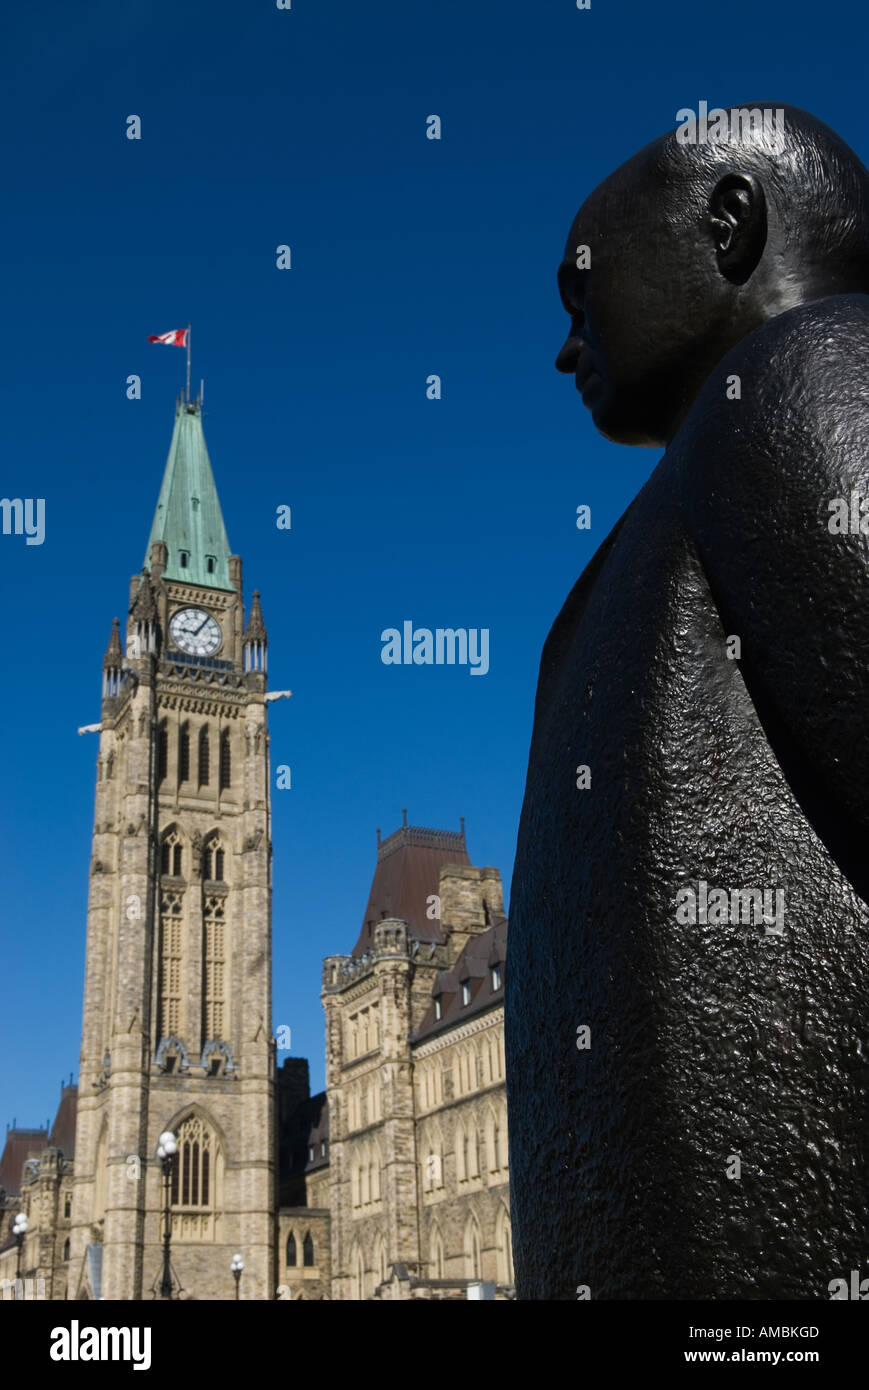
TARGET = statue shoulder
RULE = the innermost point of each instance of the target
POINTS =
(815, 349)
(791, 397)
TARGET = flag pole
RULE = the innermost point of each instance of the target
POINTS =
(188, 364)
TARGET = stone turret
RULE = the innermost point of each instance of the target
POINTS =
(255, 638)
(112, 663)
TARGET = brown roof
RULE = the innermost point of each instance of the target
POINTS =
(407, 875)
(19, 1143)
(63, 1130)
(474, 964)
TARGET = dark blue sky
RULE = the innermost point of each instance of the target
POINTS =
(410, 257)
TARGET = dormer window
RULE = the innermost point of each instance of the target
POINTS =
(496, 977)
(466, 991)
(210, 563)
(439, 1008)
(184, 558)
(310, 1153)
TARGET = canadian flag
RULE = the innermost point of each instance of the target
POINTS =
(176, 338)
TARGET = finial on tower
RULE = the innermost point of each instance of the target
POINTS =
(255, 638)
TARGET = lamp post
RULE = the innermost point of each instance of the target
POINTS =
(237, 1266)
(19, 1230)
(166, 1151)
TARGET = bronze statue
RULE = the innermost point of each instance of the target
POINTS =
(688, 985)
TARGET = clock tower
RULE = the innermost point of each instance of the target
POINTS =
(177, 1006)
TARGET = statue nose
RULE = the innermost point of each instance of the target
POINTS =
(569, 355)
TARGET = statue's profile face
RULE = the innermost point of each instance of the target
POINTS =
(639, 289)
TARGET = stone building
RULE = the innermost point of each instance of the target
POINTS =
(391, 1184)
(418, 1180)
(176, 1028)
(36, 1172)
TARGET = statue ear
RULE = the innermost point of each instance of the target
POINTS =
(737, 214)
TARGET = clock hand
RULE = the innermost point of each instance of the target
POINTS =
(196, 631)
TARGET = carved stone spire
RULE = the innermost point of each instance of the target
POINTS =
(256, 628)
(112, 662)
(144, 607)
(255, 638)
(114, 656)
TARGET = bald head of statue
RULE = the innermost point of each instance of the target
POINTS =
(690, 245)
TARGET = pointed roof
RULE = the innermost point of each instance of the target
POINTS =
(63, 1130)
(188, 516)
(407, 875)
(256, 628)
(144, 604)
(114, 656)
(19, 1143)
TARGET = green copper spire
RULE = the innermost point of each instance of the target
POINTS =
(188, 516)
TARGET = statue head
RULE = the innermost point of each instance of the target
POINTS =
(692, 244)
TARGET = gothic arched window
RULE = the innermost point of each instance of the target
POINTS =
(492, 1150)
(291, 1250)
(171, 859)
(308, 1250)
(196, 1178)
(365, 1179)
(473, 1151)
(204, 770)
(214, 860)
(162, 751)
(225, 761)
(183, 753)
(433, 1171)
(472, 1251)
(66, 1249)
(461, 1153)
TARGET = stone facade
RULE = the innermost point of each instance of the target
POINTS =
(392, 1184)
(40, 1187)
(418, 1183)
(177, 1005)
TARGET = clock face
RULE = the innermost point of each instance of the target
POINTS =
(195, 631)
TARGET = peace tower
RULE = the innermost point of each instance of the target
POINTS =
(177, 1004)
